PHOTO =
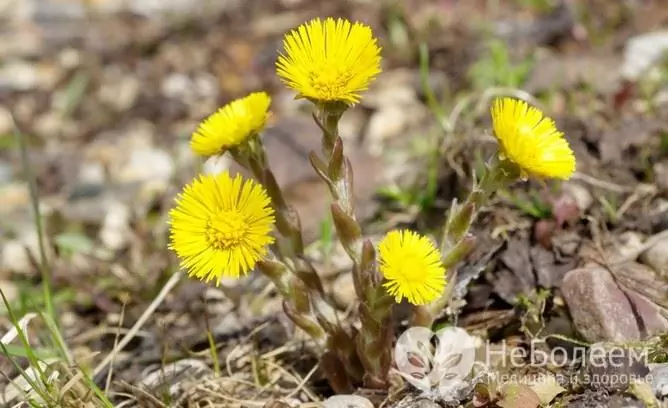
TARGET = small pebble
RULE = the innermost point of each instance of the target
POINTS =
(347, 401)
(657, 257)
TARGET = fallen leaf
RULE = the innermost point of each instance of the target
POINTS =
(643, 391)
(547, 389)
(518, 396)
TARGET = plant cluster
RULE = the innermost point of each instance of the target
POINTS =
(224, 226)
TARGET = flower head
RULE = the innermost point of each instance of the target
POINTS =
(231, 125)
(412, 266)
(330, 61)
(221, 226)
(531, 140)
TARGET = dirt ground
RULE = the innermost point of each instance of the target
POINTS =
(107, 93)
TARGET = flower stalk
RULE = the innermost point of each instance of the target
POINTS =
(304, 299)
(374, 341)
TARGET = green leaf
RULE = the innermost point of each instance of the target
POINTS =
(73, 242)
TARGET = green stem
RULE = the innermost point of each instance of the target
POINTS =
(330, 116)
(34, 201)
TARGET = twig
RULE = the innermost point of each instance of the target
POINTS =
(607, 185)
(118, 335)
(173, 280)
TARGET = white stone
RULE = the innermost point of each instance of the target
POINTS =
(642, 52)
(657, 257)
(176, 86)
(91, 173)
(386, 123)
(19, 75)
(115, 232)
(147, 164)
(630, 243)
(121, 93)
(15, 256)
(217, 164)
(347, 401)
(580, 194)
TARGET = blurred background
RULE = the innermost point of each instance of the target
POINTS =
(106, 93)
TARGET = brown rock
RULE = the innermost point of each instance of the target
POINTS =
(643, 280)
(600, 310)
(651, 315)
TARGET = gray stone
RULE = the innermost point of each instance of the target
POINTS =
(600, 310)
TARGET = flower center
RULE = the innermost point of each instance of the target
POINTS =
(330, 81)
(412, 268)
(226, 229)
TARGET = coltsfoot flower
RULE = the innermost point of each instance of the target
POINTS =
(221, 226)
(531, 140)
(231, 125)
(330, 61)
(412, 266)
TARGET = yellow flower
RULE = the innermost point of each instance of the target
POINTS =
(329, 62)
(231, 125)
(221, 226)
(531, 140)
(412, 267)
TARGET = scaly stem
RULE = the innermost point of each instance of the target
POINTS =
(375, 339)
(304, 299)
